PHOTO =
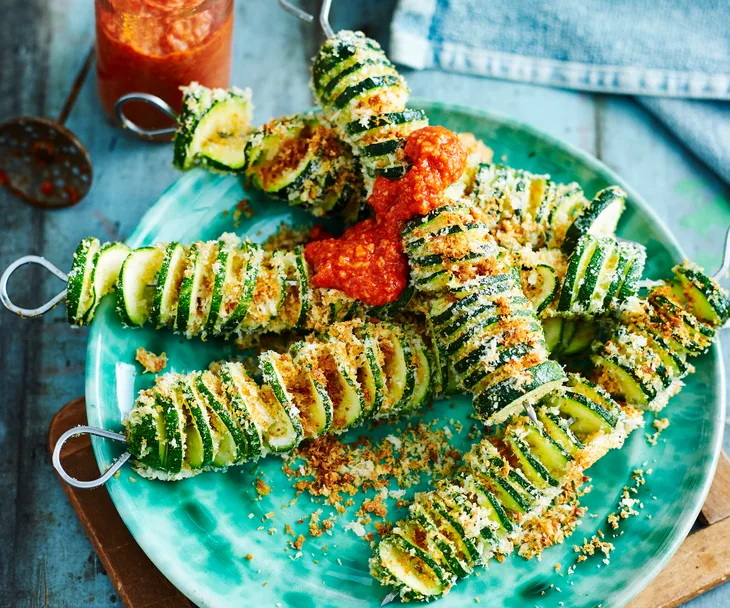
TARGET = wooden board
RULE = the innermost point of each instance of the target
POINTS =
(700, 564)
(138, 582)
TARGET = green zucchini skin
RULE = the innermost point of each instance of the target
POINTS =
(300, 159)
(479, 513)
(80, 297)
(213, 129)
(190, 423)
(364, 97)
(602, 277)
(598, 219)
(482, 323)
(642, 362)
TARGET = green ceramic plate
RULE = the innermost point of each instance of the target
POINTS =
(198, 532)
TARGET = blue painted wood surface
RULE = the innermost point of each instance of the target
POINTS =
(45, 557)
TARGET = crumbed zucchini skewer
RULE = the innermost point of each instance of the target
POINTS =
(504, 483)
(486, 330)
(189, 423)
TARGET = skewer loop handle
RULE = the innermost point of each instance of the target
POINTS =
(30, 312)
(90, 430)
(152, 100)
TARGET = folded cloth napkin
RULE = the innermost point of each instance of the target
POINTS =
(674, 54)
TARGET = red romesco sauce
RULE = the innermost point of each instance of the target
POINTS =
(367, 262)
(157, 47)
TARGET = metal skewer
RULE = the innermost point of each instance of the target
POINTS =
(324, 15)
(725, 266)
(30, 312)
(90, 430)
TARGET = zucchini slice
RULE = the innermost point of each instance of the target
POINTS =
(196, 288)
(318, 414)
(706, 299)
(246, 407)
(577, 336)
(297, 390)
(213, 128)
(409, 568)
(552, 327)
(596, 278)
(174, 420)
(574, 276)
(145, 430)
(80, 295)
(231, 447)
(348, 400)
(370, 374)
(135, 286)
(599, 219)
(588, 416)
(167, 288)
(398, 369)
(198, 433)
(558, 430)
(548, 452)
(288, 430)
(530, 465)
(239, 294)
(282, 155)
(502, 525)
(623, 382)
(222, 276)
(540, 284)
(104, 277)
(500, 401)
(421, 364)
(420, 530)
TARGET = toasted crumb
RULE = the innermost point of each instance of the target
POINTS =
(297, 544)
(659, 424)
(249, 556)
(262, 487)
(151, 362)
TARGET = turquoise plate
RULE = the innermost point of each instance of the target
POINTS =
(198, 532)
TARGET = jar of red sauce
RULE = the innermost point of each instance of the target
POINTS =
(157, 46)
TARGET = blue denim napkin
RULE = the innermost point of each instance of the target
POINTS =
(674, 54)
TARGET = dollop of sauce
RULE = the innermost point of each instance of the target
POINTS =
(367, 262)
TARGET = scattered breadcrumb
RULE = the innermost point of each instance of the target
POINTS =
(557, 523)
(249, 556)
(286, 237)
(659, 424)
(336, 472)
(262, 487)
(242, 208)
(297, 544)
(628, 502)
(152, 363)
(592, 546)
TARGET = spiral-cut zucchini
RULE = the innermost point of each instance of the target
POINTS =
(213, 128)
(299, 159)
(598, 219)
(189, 423)
(504, 483)
(363, 95)
(644, 360)
(525, 208)
(602, 275)
(483, 324)
(227, 287)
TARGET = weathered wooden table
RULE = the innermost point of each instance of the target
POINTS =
(45, 557)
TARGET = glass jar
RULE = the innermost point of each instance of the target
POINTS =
(157, 46)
